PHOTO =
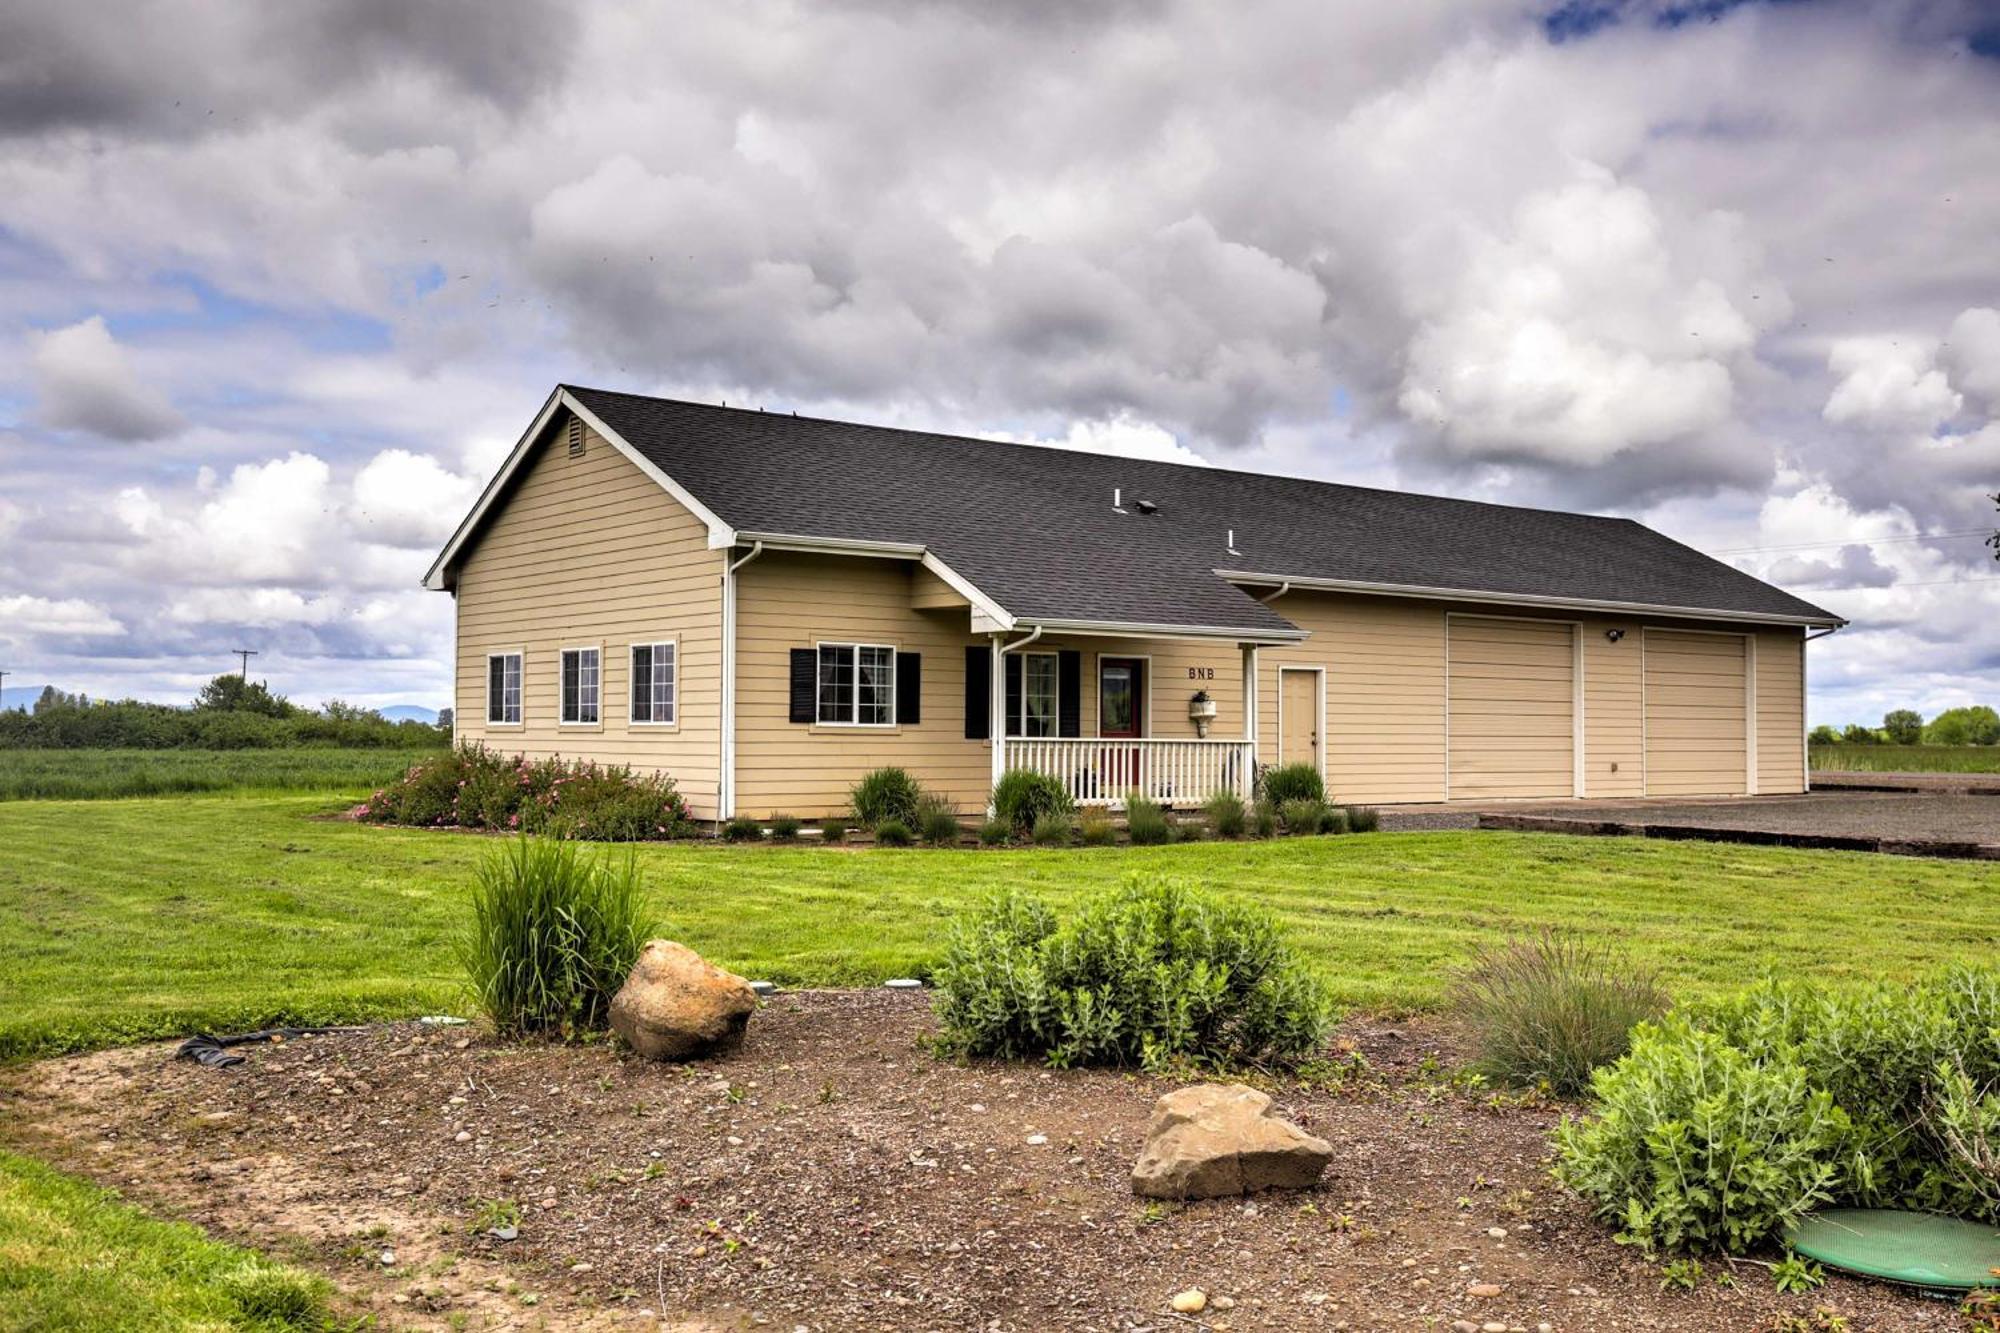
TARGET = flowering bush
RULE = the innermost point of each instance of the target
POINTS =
(473, 787)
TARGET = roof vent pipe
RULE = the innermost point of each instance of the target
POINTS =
(1229, 543)
(1118, 499)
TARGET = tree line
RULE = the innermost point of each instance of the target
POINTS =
(230, 713)
(1975, 724)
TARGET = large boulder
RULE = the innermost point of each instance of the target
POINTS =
(1214, 1140)
(676, 1005)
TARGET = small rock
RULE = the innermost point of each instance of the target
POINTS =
(463, 1136)
(1223, 1302)
(1464, 1326)
(504, 1233)
(1483, 1289)
(1493, 1326)
(584, 1266)
(1545, 1327)
(1212, 1140)
(1497, 1233)
(764, 989)
(388, 1258)
(1037, 1140)
(903, 983)
(1192, 1301)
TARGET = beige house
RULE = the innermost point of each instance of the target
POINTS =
(766, 606)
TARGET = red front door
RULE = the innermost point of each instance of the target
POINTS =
(1121, 695)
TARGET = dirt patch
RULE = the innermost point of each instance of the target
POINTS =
(833, 1175)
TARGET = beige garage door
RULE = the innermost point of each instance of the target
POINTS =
(1694, 714)
(1512, 691)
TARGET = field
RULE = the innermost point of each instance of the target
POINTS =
(1906, 758)
(137, 919)
(101, 774)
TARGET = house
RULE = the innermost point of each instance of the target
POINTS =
(766, 606)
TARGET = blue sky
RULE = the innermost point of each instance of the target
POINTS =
(277, 291)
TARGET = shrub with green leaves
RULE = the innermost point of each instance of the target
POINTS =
(1727, 1119)
(1302, 815)
(1150, 974)
(554, 933)
(1263, 820)
(1022, 796)
(1094, 828)
(893, 833)
(742, 829)
(938, 822)
(1225, 814)
(883, 794)
(274, 1297)
(1054, 828)
(784, 828)
(1332, 819)
(1548, 1010)
(1363, 819)
(1293, 782)
(832, 831)
(474, 787)
(1146, 824)
(995, 833)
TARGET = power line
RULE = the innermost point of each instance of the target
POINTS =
(1862, 541)
(1920, 583)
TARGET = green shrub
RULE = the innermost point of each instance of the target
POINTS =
(1263, 820)
(1293, 782)
(938, 822)
(885, 793)
(273, 1297)
(995, 833)
(1054, 828)
(1022, 796)
(1185, 831)
(1363, 819)
(742, 829)
(1302, 815)
(1095, 827)
(832, 831)
(553, 936)
(784, 828)
(1550, 1009)
(1148, 974)
(1225, 814)
(474, 787)
(1332, 819)
(1145, 822)
(893, 833)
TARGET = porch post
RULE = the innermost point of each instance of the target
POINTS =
(1246, 778)
(997, 715)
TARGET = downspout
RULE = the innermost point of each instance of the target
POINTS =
(1805, 736)
(997, 712)
(1283, 588)
(725, 782)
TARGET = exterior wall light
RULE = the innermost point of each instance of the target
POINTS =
(1614, 634)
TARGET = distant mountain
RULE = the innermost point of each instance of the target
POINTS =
(22, 696)
(407, 713)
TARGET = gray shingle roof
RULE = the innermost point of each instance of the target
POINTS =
(1034, 529)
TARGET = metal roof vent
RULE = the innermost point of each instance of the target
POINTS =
(1145, 506)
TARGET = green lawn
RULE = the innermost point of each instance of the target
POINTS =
(147, 918)
(102, 774)
(73, 1257)
(1905, 758)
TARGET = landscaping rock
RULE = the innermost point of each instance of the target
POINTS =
(1212, 1140)
(677, 1005)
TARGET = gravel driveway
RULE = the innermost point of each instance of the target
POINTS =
(1916, 816)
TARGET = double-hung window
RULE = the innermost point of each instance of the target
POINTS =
(1037, 715)
(580, 679)
(857, 685)
(653, 682)
(503, 688)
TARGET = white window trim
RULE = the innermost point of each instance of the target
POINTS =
(486, 686)
(651, 724)
(1055, 716)
(597, 648)
(855, 645)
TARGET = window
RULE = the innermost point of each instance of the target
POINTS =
(579, 685)
(857, 685)
(1038, 697)
(653, 682)
(503, 688)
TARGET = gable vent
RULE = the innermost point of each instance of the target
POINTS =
(575, 436)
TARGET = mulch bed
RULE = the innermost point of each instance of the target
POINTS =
(834, 1175)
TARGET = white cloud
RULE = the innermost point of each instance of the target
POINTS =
(1889, 384)
(22, 615)
(409, 500)
(84, 380)
(1972, 352)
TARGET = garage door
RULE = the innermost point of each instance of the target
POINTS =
(1694, 714)
(1512, 691)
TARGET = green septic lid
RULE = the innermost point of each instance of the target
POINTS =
(1921, 1249)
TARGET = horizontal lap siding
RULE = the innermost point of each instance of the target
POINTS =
(1614, 761)
(1695, 714)
(1781, 717)
(1513, 699)
(591, 551)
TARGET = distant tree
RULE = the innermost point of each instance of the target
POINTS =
(444, 720)
(233, 694)
(1975, 724)
(53, 698)
(1903, 726)
(336, 711)
(1823, 735)
(1856, 734)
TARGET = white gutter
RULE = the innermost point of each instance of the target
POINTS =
(725, 778)
(1119, 629)
(1520, 599)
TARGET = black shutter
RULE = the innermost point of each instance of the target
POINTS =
(1069, 693)
(496, 689)
(805, 684)
(909, 688)
(1013, 661)
(978, 693)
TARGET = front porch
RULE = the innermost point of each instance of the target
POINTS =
(1103, 772)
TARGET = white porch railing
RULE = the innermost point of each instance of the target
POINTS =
(1173, 772)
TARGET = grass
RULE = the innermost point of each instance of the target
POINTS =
(72, 1256)
(1905, 758)
(85, 775)
(137, 919)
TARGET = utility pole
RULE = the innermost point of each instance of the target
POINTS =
(3, 689)
(246, 654)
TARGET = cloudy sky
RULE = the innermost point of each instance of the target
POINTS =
(279, 284)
